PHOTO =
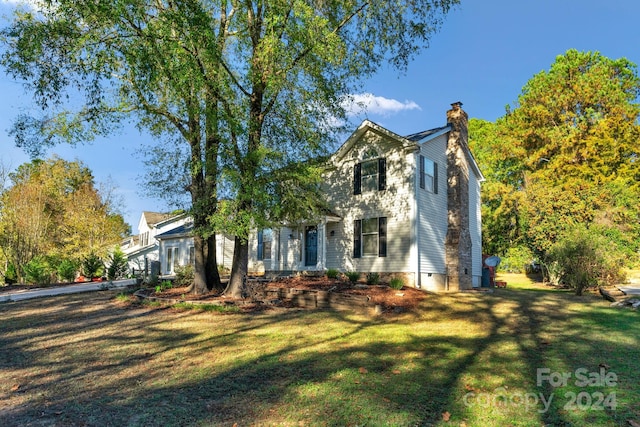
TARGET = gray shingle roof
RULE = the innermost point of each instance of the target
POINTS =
(425, 133)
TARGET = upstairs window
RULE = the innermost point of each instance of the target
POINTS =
(370, 175)
(370, 237)
(428, 175)
(265, 238)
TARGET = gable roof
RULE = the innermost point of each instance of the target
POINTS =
(364, 127)
(427, 135)
(412, 141)
(153, 218)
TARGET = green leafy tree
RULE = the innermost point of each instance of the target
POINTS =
(565, 156)
(501, 162)
(52, 209)
(252, 89)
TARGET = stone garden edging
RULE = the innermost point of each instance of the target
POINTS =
(285, 296)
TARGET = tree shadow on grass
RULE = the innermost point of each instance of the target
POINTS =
(83, 362)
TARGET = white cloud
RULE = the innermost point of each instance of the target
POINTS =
(29, 4)
(368, 103)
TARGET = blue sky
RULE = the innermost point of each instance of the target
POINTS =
(483, 55)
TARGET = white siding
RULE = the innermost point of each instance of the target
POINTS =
(285, 251)
(395, 203)
(432, 210)
(224, 250)
(182, 244)
(475, 225)
(141, 255)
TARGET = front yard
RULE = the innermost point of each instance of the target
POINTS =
(515, 357)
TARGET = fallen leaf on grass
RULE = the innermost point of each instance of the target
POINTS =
(396, 371)
(469, 388)
(445, 416)
(15, 387)
(362, 370)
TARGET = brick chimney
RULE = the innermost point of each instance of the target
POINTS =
(458, 240)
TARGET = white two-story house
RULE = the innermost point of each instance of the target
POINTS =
(405, 206)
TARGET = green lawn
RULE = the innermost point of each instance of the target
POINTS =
(476, 359)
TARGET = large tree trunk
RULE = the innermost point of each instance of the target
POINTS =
(211, 269)
(239, 270)
(199, 273)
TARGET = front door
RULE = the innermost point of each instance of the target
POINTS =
(311, 246)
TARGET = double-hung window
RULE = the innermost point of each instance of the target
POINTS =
(370, 237)
(428, 175)
(265, 238)
(370, 175)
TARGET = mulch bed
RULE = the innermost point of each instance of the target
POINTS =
(390, 300)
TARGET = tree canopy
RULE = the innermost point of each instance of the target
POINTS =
(255, 89)
(565, 157)
(52, 209)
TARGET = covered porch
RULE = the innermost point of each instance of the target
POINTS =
(291, 248)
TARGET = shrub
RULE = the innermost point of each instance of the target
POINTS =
(166, 284)
(516, 260)
(373, 278)
(332, 273)
(184, 275)
(353, 276)
(396, 283)
(584, 259)
(67, 270)
(118, 265)
(38, 271)
(92, 266)
(10, 275)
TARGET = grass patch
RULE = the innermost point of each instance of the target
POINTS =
(473, 358)
(206, 307)
(525, 282)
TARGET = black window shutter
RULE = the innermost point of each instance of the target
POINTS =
(357, 233)
(260, 246)
(382, 236)
(422, 183)
(382, 174)
(435, 177)
(357, 176)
